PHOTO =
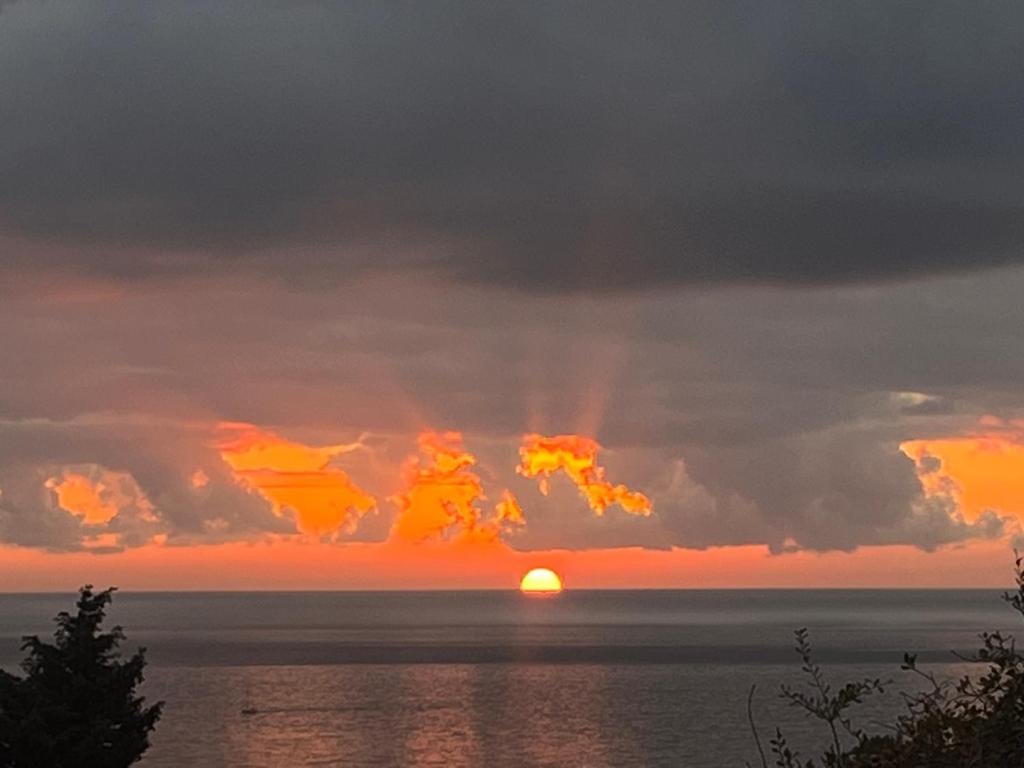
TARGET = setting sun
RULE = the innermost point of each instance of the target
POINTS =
(542, 581)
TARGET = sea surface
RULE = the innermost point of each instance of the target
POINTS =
(490, 679)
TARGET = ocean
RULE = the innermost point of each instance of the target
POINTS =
(489, 679)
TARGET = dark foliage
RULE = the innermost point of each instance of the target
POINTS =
(76, 706)
(974, 722)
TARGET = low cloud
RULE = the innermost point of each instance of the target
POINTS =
(443, 496)
(300, 481)
(745, 416)
(576, 455)
(138, 469)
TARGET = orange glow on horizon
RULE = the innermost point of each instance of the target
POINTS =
(576, 456)
(295, 564)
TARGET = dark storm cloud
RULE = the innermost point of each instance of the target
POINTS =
(548, 146)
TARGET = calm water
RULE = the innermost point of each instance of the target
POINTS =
(493, 679)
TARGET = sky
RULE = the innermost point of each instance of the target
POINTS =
(405, 295)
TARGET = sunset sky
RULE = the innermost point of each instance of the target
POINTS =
(387, 295)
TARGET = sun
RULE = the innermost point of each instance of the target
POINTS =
(541, 581)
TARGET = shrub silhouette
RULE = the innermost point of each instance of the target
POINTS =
(974, 722)
(76, 706)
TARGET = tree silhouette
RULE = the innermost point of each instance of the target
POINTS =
(76, 706)
(976, 721)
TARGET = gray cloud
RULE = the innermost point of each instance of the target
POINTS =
(589, 146)
(837, 489)
(160, 458)
(749, 415)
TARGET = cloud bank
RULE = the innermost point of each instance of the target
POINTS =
(781, 425)
(578, 147)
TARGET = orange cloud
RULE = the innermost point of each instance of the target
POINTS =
(981, 471)
(296, 477)
(80, 496)
(509, 511)
(443, 495)
(97, 494)
(576, 456)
